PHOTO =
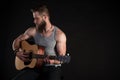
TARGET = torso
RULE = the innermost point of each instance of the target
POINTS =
(47, 40)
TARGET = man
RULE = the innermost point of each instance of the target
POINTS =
(51, 38)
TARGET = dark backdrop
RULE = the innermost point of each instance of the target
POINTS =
(91, 29)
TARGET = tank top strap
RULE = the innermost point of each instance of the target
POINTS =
(54, 32)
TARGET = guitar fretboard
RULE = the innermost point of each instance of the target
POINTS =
(43, 56)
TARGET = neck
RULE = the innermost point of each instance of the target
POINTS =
(48, 27)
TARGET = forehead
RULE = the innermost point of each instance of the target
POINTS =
(36, 14)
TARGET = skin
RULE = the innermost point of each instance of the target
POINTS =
(46, 31)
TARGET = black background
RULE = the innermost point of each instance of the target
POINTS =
(91, 28)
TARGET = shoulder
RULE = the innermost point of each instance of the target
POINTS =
(30, 31)
(27, 34)
(59, 31)
(60, 34)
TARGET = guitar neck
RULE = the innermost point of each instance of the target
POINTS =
(65, 59)
(43, 56)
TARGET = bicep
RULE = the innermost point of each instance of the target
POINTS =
(61, 48)
(61, 45)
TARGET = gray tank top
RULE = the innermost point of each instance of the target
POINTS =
(48, 42)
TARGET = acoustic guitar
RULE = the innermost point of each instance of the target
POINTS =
(33, 51)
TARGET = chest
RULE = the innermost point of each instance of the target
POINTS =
(46, 41)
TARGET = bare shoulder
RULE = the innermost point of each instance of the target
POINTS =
(59, 31)
(30, 31)
(27, 34)
(60, 35)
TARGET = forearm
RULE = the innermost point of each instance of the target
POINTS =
(57, 62)
(54, 62)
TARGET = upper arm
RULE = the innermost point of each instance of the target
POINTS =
(61, 42)
(26, 35)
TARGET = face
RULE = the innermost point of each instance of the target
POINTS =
(39, 21)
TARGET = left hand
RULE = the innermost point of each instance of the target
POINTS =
(54, 62)
(49, 61)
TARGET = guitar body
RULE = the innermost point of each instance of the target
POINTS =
(35, 49)
(21, 65)
(36, 56)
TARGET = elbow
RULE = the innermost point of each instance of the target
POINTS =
(15, 44)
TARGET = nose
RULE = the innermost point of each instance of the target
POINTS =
(34, 21)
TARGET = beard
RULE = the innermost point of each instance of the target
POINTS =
(41, 26)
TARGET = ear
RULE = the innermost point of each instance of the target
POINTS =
(44, 17)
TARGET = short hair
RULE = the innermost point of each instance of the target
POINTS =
(42, 9)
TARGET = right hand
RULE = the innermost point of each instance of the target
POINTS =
(23, 56)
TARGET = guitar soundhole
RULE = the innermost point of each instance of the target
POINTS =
(27, 63)
(30, 57)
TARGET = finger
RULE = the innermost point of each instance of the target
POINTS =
(25, 59)
(26, 53)
(26, 56)
(47, 60)
(44, 60)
